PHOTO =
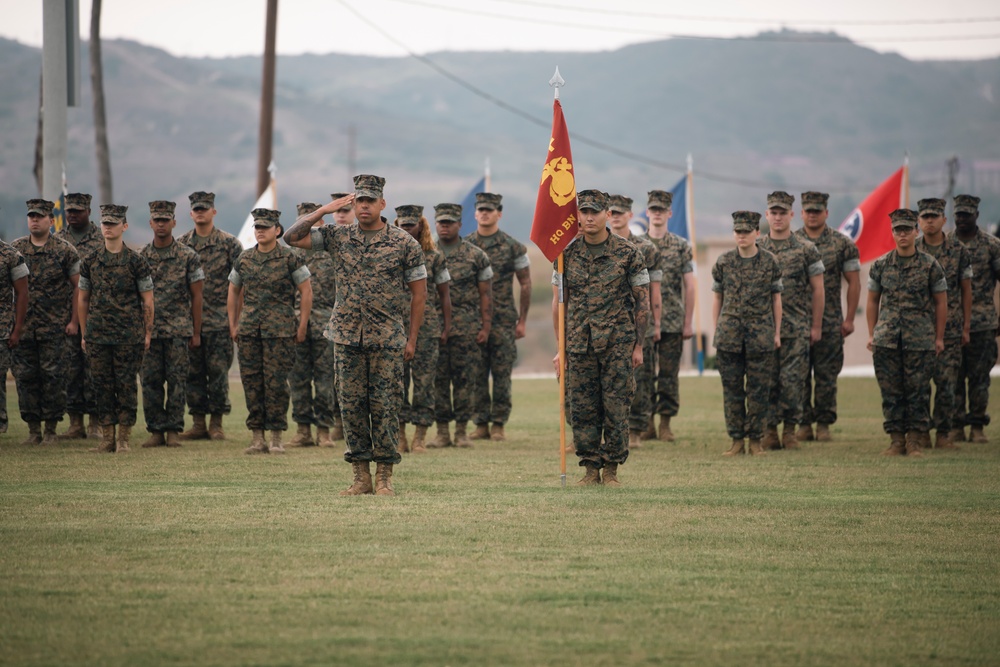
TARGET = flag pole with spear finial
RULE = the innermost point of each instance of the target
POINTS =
(558, 82)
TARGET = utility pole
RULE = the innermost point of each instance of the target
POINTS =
(55, 96)
(352, 151)
(266, 136)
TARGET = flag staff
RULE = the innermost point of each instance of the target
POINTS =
(906, 179)
(689, 204)
(557, 82)
(486, 176)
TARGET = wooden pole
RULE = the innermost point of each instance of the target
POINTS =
(699, 345)
(562, 370)
(265, 137)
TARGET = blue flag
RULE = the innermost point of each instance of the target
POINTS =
(469, 206)
(678, 223)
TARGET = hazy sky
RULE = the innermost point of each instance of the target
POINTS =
(917, 29)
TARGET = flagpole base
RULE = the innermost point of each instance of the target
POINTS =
(562, 480)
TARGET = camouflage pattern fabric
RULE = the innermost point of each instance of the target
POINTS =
(799, 261)
(839, 256)
(788, 381)
(114, 281)
(507, 255)
(654, 268)
(39, 367)
(90, 241)
(12, 269)
(748, 286)
(311, 381)
(454, 383)
(600, 388)
(641, 409)
(370, 401)
(79, 383)
(264, 374)
(174, 269)
(904, 378)
(270, 282)
(4, 367)
(165, 364)
(420, 375)
(984, 254)
(677, 260)
(947, 368)
(115, 368)
(468, 266)
(208, 374)
(746, 381)
(906, 311)
(668, 361)
(978, 359)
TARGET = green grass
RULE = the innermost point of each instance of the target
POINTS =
(830, 555)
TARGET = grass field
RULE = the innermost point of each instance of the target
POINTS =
(204, 556)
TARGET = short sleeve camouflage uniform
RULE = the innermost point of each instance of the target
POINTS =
(677, 261)
(641, 411)
(12, 269)
(421, 371)
(980, 355)
(79, 383)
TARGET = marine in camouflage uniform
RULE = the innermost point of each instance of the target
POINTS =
(40, 357)
(605, 288)
(508, 258)
(83, 235)
(377, 264)
(747, 311)
(13, 308)
(208, 375)
(677, 295)
(957, 266)
(980, 355)
(314, 396)
(826, 356)
(177, 298)
(116, 315)
(801, 316)
(459, 359)
(907, 310)
(262, 321)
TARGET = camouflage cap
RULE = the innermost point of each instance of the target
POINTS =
(780, 199)
(267, 217)
(366, 185)
(40, 206)
(659, 199)
(966, 204)
(77, 201)
(161, 209)
(444, 212)
(306, 207)
(338, 195)
(619, 204)
(592, 200)
(488, 200)
(113, 214)
(931, 206)
(903, 217)
(746, 221)
(202, 200)
(814, 201)
(409, 213)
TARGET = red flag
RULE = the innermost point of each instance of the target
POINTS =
(868, 225)
(556, 219)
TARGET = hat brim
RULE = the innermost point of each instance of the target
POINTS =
(932, 212)
(966, 209)
(745, 227)
(781, 205)
(904, 223)
(814, 207)
(201, 205)
(38, 211)
(369, 194)
(618, 209)
(75, 207)
(447, 218)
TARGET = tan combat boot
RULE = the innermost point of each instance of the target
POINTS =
(754, 448)
(912, 444)
(482, 432)
(634, 441)
(49, 436)
(609, 477)
(34, 434)
(107, 440)
(323, 437)
(896, 445)
(496, 433)
(337, 432)
(383, 479)
(403, 446)
(417, 446)
(303, 437)
(198, 430)
(957, 434)
(770, 440)
(442, 439)
(461, 438)
(593, 476)
(823, 433)
(976, 435)
(122, 437)
(94, 428)
(736, 449)
(805, 433)
(664, 433)
(788, 439)
(257, 444)
(76, 430)
(942, 440)
(650, 431)
(173, 439)
(215, 431)
(362, 480)
(155, 439)
(276, 447)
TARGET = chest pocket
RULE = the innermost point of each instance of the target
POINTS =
(906, 288)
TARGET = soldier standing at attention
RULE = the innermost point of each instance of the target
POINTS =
(13, 309)
(957, 266)
(980, 355)
(208, 374)
(311, 379)
(40, 357)
(343, 216)
(826, 356)
(747, 318)
(116, 317)
(377, 264)
(802, 303)
(83, 235)
(508, 258)
(641, 411)
(262, 322)
(179, 279)
(606, 292)
(907, 311)
(677, 294)
(471, 322)
(420, 370)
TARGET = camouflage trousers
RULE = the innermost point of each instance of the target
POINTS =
(601, 388)
(454, 381)
(165, 364)
(788, 381)
(668, 360)
(39, 366)
(641, 410)
(904, 378)
(369, 387)
(264, 374)
(826, 360)
(418, 408)
(746, 390)
(115, 370)
(314, 395)
(947, 368)
(4, 367)
(498, 358)
(208, 374)
(79, 381)
(978, 359)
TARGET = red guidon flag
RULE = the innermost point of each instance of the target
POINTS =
(868, 225)
(555, 222)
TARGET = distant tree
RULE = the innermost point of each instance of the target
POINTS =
(100, 117)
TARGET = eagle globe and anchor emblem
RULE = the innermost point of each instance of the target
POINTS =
(562, 186)
(851, 228)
